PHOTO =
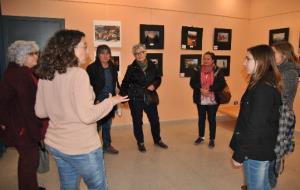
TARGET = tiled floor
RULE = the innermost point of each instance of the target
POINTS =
(183, 166)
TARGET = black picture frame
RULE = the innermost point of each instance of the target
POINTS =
(188, 63)
(223, 62)
(222, 39)
(157, 59)
(191, 38)
(278, 35)
(152, 36)
(116, 61)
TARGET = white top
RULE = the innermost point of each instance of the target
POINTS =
(68, 101)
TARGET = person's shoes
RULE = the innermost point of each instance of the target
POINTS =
(244, 187)
(199, 140)
(42, 188)
(111, 150)
(141, 147)
(211, 144)
(161, 144)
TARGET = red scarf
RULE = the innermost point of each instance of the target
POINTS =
(207, 76)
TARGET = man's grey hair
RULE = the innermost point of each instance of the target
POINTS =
(19, 49)
(138, 48)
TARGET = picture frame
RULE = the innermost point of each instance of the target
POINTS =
(223, 62)
(157, 59)
(116, 59)
(191, 38)
(222, 39)
(278, 35)
(188, 63)
(152, 36)
(107, 32)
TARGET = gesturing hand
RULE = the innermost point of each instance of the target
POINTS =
(119, 99)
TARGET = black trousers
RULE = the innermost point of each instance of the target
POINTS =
(137, 108)
(211, 111)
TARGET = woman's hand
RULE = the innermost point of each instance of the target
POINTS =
(236, 164)
(151, 87)
(204, 92)
(118, 99)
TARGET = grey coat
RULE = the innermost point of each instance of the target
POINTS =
(290, 75)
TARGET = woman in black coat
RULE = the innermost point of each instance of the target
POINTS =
(206, 82)
(256, 130)
(140, 83)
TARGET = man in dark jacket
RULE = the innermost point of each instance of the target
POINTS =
(103, 76)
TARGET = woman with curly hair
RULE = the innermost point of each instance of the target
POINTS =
(19, 125)
(66, 97)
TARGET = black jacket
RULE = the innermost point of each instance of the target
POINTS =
(97, 80)
(195, 83)
(257, 124)
(135, 82)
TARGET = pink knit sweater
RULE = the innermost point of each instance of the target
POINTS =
(68, 100)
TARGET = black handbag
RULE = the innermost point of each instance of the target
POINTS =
(151, 97)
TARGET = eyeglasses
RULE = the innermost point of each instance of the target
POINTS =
(34, 53)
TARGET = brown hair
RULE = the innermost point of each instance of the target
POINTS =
(286, 49)
(266, 69)
(59, 54)
(212, 55)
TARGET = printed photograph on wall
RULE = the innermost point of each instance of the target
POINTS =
(157, 59)
(223, 62)
(188, 63)
(278, 35)
(152, 36)
(116, 59)
(107, 32)
(222, 39)
(191, 38)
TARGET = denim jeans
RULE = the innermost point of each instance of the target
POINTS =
(257, 174)
(105, 129)
(89, 166)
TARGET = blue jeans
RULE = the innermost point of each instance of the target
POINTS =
(89, 166)
(105, 128)
(257, 174)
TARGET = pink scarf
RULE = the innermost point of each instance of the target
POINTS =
(207, 76)
(207, 80)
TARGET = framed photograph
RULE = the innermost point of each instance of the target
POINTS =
(188, 63)
(107, 32)
(222, 39)
(157, 59)
(152, 36)
(116, 59)
(223, 62)
(278, 35)
(191, 38)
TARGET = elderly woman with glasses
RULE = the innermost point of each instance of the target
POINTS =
(20, 127)
(140, 83)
